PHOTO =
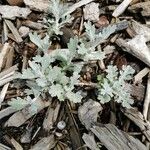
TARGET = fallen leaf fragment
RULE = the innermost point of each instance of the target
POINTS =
(11, 12)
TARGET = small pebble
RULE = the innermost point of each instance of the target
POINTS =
(61, 125)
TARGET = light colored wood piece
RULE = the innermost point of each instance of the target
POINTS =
(147, 98)
(121, 8)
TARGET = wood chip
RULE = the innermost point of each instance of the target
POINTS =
(138, 77)
(3, 93)
(7, 75)
(121, 8)
(3, 53)
(8, 72)
(139, 120)
(4, 147)
(33, 25)
(142, 7)
(26, 136)
(88, 113)
(5, 33)
(137, 47)
(51, 116)
(46, 143)
(38, 5)
(11, 12)
(6, 112)
(14, 31)
(90, 141)
(77, 5)
(73, 130)
(137, 91)
(16, 145)
(114, 139)
(147, 98)
(48, 121)
(91, 12)
(141, 29)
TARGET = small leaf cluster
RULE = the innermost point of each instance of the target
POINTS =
(113, 85)
(45, 78)
(59, 17)
(20, 103)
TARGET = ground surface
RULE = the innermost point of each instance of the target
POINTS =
(89, 124)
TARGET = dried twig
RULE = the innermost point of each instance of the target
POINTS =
(16, 145)
(3, 93)
(4, 147)
(137, 47)
(147, 98)
(139, 120)
(77, 5)
(138, 77)
(121, 8)
(3, 54)
(14, 31)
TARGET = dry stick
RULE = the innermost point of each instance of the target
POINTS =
(146, 105)
(25, 60)
(14, 31)
(9, 60)
(142, 54)
(6, 112)
(8, 72)
(4, 81)
(121, 8)
(147, 99)
(3, 54)
(81, 26)
(8, 64)
(7, 75)
(77, 5)
(138, 77)
(3, 93)
(4, 147)
(15, 144)
(5, 32)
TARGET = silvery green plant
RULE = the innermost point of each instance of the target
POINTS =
(44, 77)
(60, 18)
(112, 87)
